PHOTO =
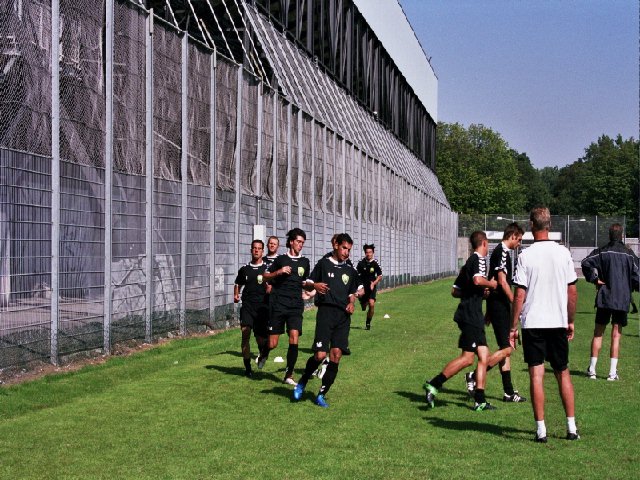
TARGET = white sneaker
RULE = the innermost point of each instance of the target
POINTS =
(591, 374)
(289, 381)
(613, 378)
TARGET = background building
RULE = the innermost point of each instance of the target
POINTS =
(136, 168)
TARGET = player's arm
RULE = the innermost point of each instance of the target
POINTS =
(236, 293)
(516, 310)
(456, 292)
(504, 285)
(482, 281)
(314, 283)
(276, 269)
(572, 300)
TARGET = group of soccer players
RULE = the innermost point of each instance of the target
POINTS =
(273, 289)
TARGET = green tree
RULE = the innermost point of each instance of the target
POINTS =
(536, 190)
(477, 170)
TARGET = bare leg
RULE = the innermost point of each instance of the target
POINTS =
(566, 391)
(481, 370)
(454, 366)
(245, 344)
(536, 382)
(616, 334)
(596, 342)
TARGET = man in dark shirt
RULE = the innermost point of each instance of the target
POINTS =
(499, 311)
(254, 310)
(287, 276)
(273, 243)
(614, 270)
(370, 275)
(470, 288)
(336, 285)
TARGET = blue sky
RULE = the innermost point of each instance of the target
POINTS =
(550, 76)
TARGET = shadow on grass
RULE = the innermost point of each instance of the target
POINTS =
(466, 425)
(234, 353)
(419, 398)
(281, 391)
(258, 375)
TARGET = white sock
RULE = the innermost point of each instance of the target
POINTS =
(613, 369)
(571, 425)
(592, 364)
(541, 428)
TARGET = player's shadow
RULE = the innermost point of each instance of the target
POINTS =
(234, 353)
(281, 391)
(239, 372)
(466, 425)
(415, 397)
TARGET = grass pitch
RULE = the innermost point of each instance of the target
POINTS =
(184, 410)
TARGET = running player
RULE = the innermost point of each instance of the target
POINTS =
(370, 275)
(336, 285)
(470, 288)
(254, 310)
(287, 275)
(273, 243)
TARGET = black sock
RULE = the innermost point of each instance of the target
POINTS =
(264, 350)
(312, 366)
(329, 377)
(506, 382)
(438, 380)
(479, 395)
(292, 358)
(247, 364)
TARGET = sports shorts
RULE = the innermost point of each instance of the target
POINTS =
(368, 294)
(471, 337)
(279, 319)
(255, 317)
(546, 344)
(500, 314)
(603, 315)
(332, 329)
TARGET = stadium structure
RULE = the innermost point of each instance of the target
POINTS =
(144, 144)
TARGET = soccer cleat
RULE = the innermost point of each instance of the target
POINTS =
(538, 439)
(471, 384)
(346, 351)
(515, 398)
(289, 381)
(261, 361)
(298, 391)
(320, 401)
(367, 326)
(613, 378)
(573, 436)
(479, 407)
(591, 374)
(248, 374)
(430, 394)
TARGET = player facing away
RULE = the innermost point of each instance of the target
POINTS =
(499, 311)
(470, 287)
(370, 275)
(287, 276)
(336, 285)
(254, 312)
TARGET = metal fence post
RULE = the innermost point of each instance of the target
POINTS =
(238, 155)
(300, 167)
(149, 176)
(259, 158)
(313, 192)
(274, 163)
(55, 177)
(184, 176)
(213, 179)
(108, 174)
(289, 179)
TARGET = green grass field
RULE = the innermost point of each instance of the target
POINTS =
(184, 410)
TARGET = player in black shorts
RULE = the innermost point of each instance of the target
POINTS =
(336, 285)
(470, 287)
(499, 311)
(254, 311)
(370, 275)
(287, 276)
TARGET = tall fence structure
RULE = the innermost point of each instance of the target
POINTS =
(135, 162)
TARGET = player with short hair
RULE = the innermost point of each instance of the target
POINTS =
(273, 243)
(470, 287)
(254, 311)
(287, 276)
(370, 275)
(336, 284)
(499, 311)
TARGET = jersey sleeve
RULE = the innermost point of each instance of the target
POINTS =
(316, 274)
(275, 265)
(520, 276)
(378, 270)
(590, 266)
(572, 277)
(479, 266)
(361, 268)
(240, 277)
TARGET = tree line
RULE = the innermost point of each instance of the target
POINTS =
(480, 173)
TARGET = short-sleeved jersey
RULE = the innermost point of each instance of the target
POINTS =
(469, 310)
(251, 277)
(348, 262)
(545, 270)
(368, 271)
(269, 260)
(341, 279)
(287, 289)
(500, 261)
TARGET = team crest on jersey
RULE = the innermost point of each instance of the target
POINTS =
(371, 269)
(345, 278)
(301, 271)
(259, 279)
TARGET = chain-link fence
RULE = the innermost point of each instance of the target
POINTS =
(133, 172)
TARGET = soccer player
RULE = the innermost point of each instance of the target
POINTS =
(613, 268)
(336, 285)
(499, 310)
(545, 302)
(287, 276)
(254, 310)
(370, 275)
(470, 287)
(273, 243)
